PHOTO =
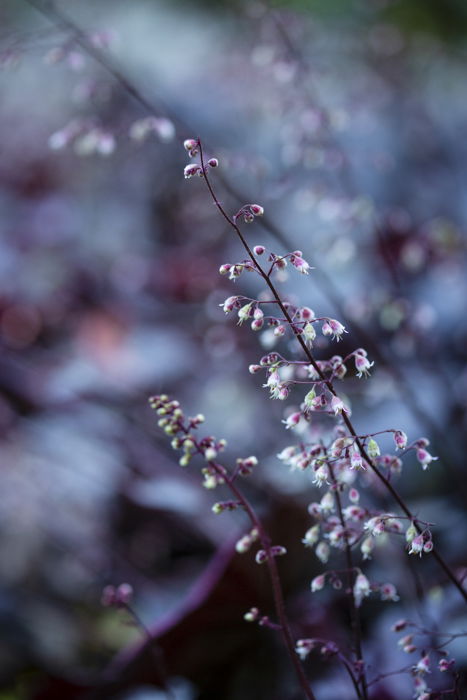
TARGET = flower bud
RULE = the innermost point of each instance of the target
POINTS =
(400, 438)
(399, 626)
(261, 556)
(256, 210)
(373, 449)
(417, 545)
(191, 170)
(190, 145)
(318, 583)
(311, 536)
(354, 496)
(251, 615)
(410, 533)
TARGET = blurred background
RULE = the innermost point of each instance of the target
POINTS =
(347, 122)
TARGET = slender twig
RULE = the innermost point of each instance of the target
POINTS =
(276, 587)
(272, 569)
(156, 649)
(326, 381)
(354, 611)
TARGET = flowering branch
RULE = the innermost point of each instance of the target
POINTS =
(215, 474)
(195, 146)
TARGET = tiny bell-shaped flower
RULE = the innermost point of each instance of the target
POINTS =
(354, 496)
(309, 333)
(416, 546)
(256, 210)
(191, 170)
(311, 536)
(362, 365)
(423, 665)
(327, 503)
(245, 313)
(361, 589)
(300, 264)
(229, 303)
(318, 583)
(308, 400)
(323, 551)
(445, 664)
(333, 328)
(213, 163)
(338, 406)
(388, 592)
(424, 457)
(293, 420)
(259, 249)
(410, 533)
(367, 547)
(191, 145)
(373, 449)
(400, 438)
(428, 546)
(356, 461)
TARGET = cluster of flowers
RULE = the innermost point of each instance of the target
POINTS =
(182, 431)
(88, 138)
(335, 455)
(278, 263)
(410, 644)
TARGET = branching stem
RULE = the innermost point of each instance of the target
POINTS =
(328, 383)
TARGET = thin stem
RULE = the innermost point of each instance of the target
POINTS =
(326, 381)
(276, 587)
(272, 569)
(156, 649)
(354, 611)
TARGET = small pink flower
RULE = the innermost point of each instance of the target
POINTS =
(424, 457)
(293, 420)
(356, 461)
(318, 583)
(333, 328)
(399, 626)
(300, 264)
(362, 365)
(230, 303)
(191, 170)
(191, 145)
(416, 546)
(361, 589)
(423, 665)
(256, 210)
(354, 496)
(446, 664)
(338, 406)
(400, 438)
(388, 592)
